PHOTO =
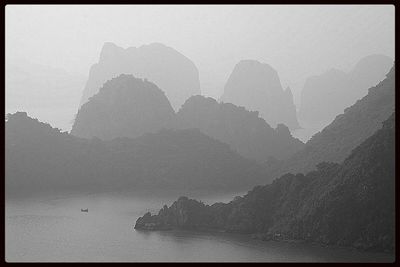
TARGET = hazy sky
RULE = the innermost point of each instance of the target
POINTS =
(297, 41)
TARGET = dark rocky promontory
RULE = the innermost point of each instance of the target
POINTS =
(349, 204)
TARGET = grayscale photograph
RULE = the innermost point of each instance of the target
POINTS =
(200, 133)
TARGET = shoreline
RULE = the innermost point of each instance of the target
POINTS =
(253, 236)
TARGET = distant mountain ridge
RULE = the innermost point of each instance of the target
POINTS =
(129, 107)
(256, 86)
(243, 130)
(166, 67)
(326, 95)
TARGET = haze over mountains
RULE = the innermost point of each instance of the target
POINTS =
(129, 107)
(128, 137)
(49, 93)
(328, 94)
(126, 106)
(166, 67)
(257, 87)
(336, 141)
(156, 156)
(190, 133)
(253, 85)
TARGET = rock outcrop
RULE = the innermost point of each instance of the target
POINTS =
(256, 86)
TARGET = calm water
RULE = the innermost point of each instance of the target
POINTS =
(54, 229)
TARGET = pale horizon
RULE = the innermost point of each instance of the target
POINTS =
(298, 41)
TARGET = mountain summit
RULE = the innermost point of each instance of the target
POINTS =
(124, 107)
(257, 87)
(173, 72)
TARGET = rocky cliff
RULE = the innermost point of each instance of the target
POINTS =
(256, 86)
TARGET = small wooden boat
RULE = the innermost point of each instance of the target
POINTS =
(84, 210)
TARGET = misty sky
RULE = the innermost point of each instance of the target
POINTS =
(298, 41)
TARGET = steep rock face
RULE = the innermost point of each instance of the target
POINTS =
(243, 130)
(348, 204)
(124, 107)
(257, 87)
(41, 159)
(336, 141)
(170, 70)
(326, 95)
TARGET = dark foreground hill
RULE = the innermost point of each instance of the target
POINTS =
(347, 204)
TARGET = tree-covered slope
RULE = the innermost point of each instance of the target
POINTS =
(347, 204)
(336, 141)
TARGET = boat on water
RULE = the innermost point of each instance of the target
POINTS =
(84, 210)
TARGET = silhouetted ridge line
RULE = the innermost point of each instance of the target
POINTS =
(124, 107)
(243, 130)
(336, 141)
(169, 69)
